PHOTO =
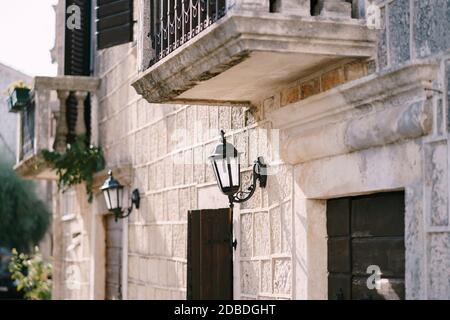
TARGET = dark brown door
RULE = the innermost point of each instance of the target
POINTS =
(210, 255)
(113, 258)
(365, 232)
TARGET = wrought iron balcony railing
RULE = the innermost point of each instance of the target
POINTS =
(27, 133)
(175, 22)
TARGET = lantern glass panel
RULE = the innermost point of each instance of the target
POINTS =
(119, 197)
(221, 166)
(113, 198)
(235, 171)
(107, 198)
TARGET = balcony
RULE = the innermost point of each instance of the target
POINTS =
(52, 119)
(238, 52)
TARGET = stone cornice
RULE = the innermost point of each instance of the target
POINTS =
(373, 111)
(376, 87)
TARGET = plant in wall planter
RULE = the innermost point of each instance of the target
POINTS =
(77, 165)
(18, 96)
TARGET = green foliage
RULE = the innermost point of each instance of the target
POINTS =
(78, 164)
(24, 218)
(32, 274)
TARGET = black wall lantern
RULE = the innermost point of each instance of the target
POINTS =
(113, 192)
(227, 168)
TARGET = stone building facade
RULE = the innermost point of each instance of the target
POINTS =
(339, 110)
(8, 123)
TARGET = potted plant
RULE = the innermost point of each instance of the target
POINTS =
(19, 96)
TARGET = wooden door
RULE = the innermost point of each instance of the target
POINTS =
(210, 254)
(366, 231)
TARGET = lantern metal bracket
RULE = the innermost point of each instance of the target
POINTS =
(135, 200)
(259, 174)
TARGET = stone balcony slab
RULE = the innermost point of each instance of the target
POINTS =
(247, 55)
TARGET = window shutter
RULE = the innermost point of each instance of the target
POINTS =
(210, 254)
(114, 22)
(77, 61)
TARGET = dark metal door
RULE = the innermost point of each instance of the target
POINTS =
(366, 232)
(210, 254)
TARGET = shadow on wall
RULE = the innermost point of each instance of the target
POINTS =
(357, 7)
(274, 6)
(313, 7)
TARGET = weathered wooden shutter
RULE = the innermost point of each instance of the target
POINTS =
(114, 22)
(77, 51)
(210, 254)
(77, 61)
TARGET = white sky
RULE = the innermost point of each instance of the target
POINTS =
(27, 32)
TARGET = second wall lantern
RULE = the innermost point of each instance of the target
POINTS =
(113, 193)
